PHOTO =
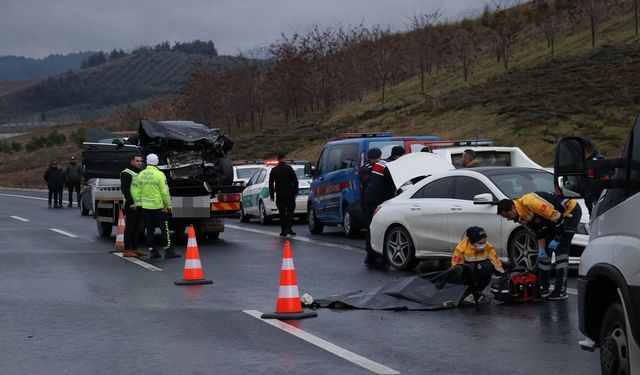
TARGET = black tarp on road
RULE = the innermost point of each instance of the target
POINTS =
(411, 293)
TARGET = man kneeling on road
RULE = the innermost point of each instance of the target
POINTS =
(156, 203)
(553, 220)
(132, 209)
(473, 262)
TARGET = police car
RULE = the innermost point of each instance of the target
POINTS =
(244, 169)
(255, 197)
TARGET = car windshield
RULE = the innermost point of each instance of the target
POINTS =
(299, 171)
(246, 172)
(516, 184)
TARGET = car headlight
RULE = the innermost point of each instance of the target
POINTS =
(583, 229)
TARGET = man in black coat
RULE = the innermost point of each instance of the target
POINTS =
(54, 179)
(283, 183)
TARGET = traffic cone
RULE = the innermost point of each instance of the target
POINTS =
(192, 267)
(120, 233)
(288, 305)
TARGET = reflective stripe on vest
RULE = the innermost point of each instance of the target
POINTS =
(134, 189)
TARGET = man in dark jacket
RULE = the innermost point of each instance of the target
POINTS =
(132, 207)
(365, 175)
(60, 186)
(592, 194)
(379, 189)
(53, 177)
(283, 183)
(73, 176)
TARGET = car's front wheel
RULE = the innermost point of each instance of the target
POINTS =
(523, 250)
(614, 349)
(264, 218)
(399, 250)
(83, 210)
(350, 228)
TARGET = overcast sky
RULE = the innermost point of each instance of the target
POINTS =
(37, 28)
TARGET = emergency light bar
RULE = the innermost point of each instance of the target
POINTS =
(364, 135)
(459, 143)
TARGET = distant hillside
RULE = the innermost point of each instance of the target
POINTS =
(101, 89)
(14, 68)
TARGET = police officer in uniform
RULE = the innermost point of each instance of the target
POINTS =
(132, 209)
(379, 189)
(156, 203)
(553, 220)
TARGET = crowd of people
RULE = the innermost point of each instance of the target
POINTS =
(57, 177)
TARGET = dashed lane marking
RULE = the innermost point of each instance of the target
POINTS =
(63, 232)
(19, 218)
(139, 262)
(298, 238)
(27, 197)
(326, 345)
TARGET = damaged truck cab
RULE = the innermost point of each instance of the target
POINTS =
(192, 156)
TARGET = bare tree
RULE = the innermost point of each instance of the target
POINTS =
(594, 12)
(546, 17)
(504, 19)
(463, 43)
(422, 27)
(381, 49)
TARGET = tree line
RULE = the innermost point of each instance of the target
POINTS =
(320, 68)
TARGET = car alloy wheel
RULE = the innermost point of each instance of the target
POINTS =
(264, 219)
(399, 249)
(523, 250)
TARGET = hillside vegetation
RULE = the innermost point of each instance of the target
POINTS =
(579, 90)
(17, 68)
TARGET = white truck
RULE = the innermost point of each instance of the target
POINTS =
(192, 156)
(609, 274)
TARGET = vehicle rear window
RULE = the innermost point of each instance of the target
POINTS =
(385, 146)
(516, 184)
(486, 159)
(246, 172)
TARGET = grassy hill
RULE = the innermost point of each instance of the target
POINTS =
(14, 68)
(578, 91)
(100, 90)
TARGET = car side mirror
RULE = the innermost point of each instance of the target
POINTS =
(310, 170)
(118, 142)
(570, 167)
(483, 198)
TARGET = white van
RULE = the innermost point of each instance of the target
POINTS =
(609, 274)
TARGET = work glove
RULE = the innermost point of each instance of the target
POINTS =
(542, 254)
(553, 245)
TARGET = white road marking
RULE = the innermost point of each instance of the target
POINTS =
(19, 218)
(323, 344)
(27, 197)
(63, 232)
(298, 238)
(139, 262)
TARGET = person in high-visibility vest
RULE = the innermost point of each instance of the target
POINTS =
(156, 203)
(132, 210)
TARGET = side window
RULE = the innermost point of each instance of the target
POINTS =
(469, 187)
(437, 189)
(254, 178)
(262, 176)
(342, 157)
(321, 162)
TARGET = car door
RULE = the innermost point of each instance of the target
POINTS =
(427, 215)
(250, 194)
(464, 214)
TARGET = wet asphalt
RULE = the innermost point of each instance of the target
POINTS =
(69, 306)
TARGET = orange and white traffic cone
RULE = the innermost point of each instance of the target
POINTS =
(288, 305)
(120, 233)
(192, 266)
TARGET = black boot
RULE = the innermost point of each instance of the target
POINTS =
(153, 253)
(170, 254)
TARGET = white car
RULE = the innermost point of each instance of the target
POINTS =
(255, 197)
(243, 172)
(430, 218)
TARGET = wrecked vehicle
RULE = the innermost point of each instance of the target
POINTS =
(192, 156)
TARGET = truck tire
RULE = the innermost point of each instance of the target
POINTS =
(104, 228)
(614, 349)
(83, 210)
(227, 171)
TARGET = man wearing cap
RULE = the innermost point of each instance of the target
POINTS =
(553, 220)
(380, 188)
(156, 202)
(73, 176)
(472, 263)
(592, 194)
(132, 209)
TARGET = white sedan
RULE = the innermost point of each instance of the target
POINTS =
(430, 218)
